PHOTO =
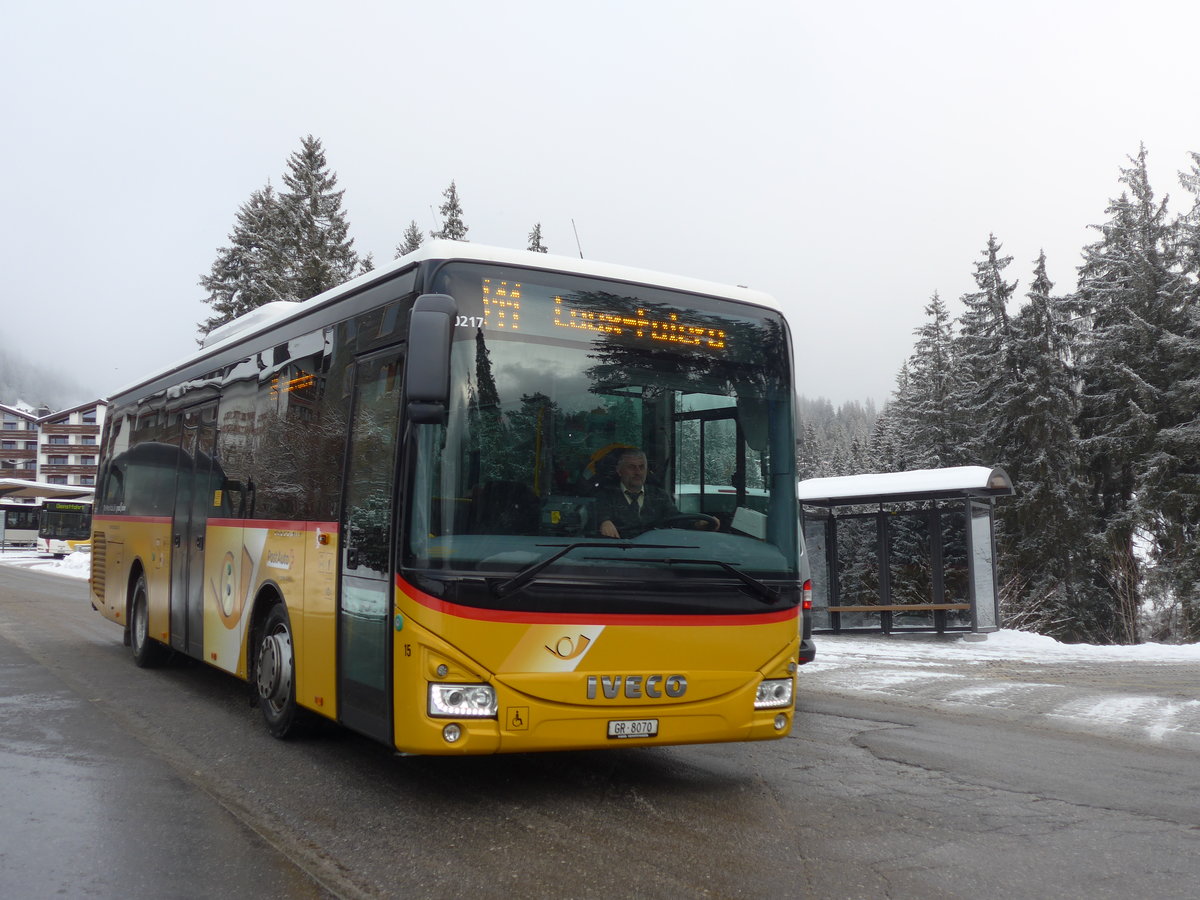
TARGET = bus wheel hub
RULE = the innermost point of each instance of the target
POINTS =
(274, 668)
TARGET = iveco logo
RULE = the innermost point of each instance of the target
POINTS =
(636, 686)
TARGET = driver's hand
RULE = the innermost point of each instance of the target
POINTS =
(608, 529)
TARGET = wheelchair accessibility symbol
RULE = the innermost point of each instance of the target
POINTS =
(518, 718)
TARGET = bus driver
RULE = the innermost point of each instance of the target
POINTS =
(627, 509)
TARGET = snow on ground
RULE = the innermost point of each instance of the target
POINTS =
(76, 565)
(1148, 692)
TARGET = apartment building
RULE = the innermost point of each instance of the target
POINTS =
(52, 447)
(18, 442)
(69, 445)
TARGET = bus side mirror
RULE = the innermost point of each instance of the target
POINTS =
(427, 367)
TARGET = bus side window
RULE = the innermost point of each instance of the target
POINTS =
(114, 488)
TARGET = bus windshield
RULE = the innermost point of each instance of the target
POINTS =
(557, 382)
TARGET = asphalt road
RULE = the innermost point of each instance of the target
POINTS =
(116, 781)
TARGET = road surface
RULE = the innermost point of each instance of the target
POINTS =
(124, 782)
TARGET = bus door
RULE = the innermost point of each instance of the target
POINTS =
(365, 595)
(193, 497)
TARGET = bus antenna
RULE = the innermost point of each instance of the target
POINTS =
(578, 246)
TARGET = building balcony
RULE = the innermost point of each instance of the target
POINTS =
(48, 430)
(48, 470)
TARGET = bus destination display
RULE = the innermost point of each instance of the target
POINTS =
(547, 313)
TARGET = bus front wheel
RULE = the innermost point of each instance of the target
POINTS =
(275, 674)
(147, 652)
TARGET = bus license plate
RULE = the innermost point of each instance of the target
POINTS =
(633, 728)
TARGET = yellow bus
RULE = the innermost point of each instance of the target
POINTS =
(381, 507)
(64, 527)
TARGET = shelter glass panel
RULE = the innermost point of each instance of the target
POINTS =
(816, 532)
(910, 559)
(982, 565)
(858, 568)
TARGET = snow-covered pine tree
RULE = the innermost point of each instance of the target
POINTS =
(411, 241)
(982, 368)
(1042, 529)
(253, 268)
(321, 252)
(535, 240)
(1130, 294)
(453, 228)
(1169, 487)
(891, 449)
(923, 407)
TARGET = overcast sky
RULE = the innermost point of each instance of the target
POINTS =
(849, 158)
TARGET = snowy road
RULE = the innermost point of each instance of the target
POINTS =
(896, 782)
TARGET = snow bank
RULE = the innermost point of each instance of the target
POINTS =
(77, 565)
(1000, 645)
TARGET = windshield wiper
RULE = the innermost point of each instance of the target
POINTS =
(531, 571)
(764, 591)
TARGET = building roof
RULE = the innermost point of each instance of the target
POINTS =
(19, 411)
(49, 418)
(896, 487)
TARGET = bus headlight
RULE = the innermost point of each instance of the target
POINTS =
(462, 701)
(774, 693)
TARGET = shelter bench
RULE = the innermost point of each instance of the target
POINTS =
(885, 613)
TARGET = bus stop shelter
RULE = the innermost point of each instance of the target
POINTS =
(904, 551)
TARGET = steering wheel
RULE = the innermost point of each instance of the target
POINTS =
(698, 521)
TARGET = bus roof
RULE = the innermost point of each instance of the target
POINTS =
(274, 314)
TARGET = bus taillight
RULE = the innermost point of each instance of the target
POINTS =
(806, 601)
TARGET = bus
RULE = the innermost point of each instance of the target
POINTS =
(20, 525)
(65, 526)
(378, 507)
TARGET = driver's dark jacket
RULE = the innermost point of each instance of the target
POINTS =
(612, 504)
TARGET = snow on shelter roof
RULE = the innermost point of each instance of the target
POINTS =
(275, 314)
(894, 487)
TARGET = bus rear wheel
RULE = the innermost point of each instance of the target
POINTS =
(275, 674)
(147, 652)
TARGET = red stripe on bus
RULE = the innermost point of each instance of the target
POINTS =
(264, 524)
(152, 520)
(544, 618)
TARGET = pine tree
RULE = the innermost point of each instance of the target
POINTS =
(253, 269)
(1131, 294)
(535, 240)
(453, 228)
(322, 254)
(923, 407)
(1042, 528)
(1169, 486)
(413, 238)
(981, 355)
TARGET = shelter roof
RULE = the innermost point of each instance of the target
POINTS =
(897, 487)
(20, 488)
